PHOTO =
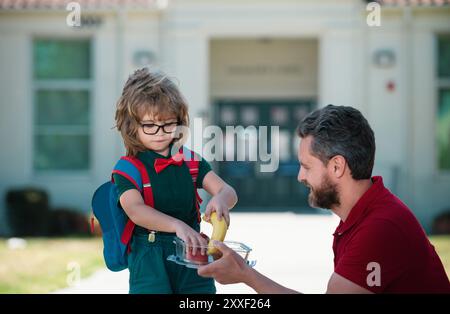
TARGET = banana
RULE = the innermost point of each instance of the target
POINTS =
(219, 231)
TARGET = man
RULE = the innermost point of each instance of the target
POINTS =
(379, 246)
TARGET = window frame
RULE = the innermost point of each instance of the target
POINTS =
(62, 84)
(440, 83)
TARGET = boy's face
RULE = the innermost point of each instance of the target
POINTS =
(161, 140)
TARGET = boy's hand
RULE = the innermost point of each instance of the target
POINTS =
(192, 238)
(218, 206)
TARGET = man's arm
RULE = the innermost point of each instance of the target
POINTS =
(231, 268)
(262, 284)
(339, 284)
(336, 284)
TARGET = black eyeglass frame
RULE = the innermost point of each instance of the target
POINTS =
(143, 125)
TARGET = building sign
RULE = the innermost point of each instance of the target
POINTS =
(264, 68)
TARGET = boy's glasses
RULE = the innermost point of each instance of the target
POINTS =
(152, 129)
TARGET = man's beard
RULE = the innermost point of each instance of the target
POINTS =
(324, 196)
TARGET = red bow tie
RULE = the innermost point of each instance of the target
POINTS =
(163, 163)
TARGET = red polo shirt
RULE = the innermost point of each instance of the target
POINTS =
(382, 247)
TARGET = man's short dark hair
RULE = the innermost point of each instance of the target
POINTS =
(341, 130)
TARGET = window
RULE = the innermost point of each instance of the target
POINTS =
(62, 106)
(443, 112)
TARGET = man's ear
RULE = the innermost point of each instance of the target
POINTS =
(337, 166)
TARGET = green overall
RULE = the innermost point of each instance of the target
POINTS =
(174, 195)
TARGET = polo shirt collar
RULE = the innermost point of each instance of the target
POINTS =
(361, 206)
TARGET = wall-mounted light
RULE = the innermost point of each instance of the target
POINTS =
(384, 58)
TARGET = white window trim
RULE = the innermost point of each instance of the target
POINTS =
(441, 83)
(66, 84)
(63, 84)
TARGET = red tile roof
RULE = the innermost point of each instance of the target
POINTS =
(145, 4)
(416, 3)
(85, 4)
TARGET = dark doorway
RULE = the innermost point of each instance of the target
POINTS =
(269, 191)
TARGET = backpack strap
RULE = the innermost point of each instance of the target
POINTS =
(192, 161)
(146, 185)
(127, 168)
(134, 170)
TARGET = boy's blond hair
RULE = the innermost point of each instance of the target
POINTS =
(147, 92)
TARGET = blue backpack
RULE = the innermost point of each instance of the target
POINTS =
(117, 228)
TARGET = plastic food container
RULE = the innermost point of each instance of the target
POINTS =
(183, 254)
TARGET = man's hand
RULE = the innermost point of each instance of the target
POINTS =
(230, 268)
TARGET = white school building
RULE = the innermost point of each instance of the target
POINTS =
(238, 62)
